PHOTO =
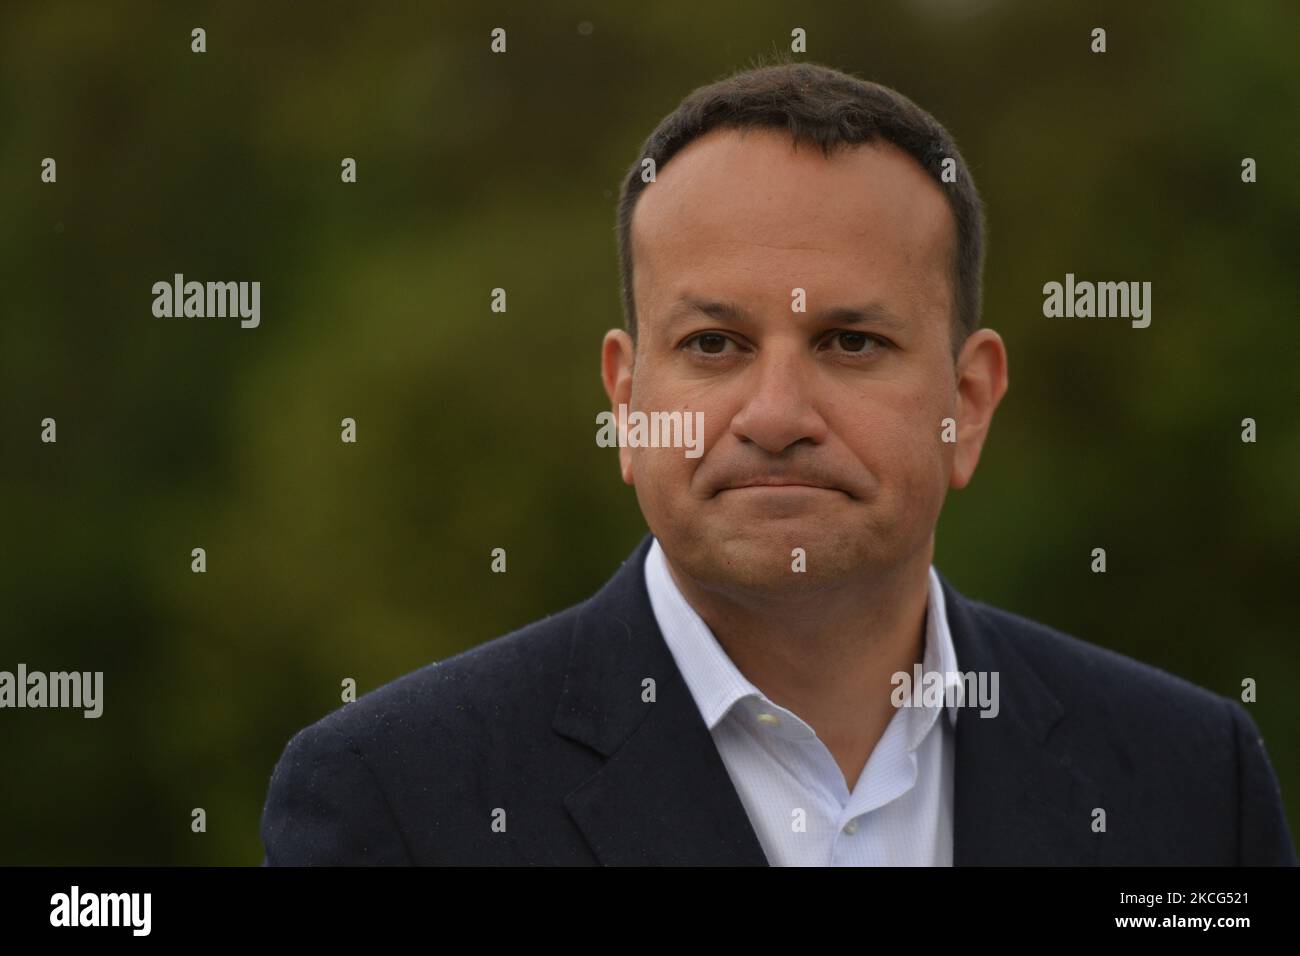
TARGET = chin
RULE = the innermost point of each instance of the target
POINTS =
(761, 558)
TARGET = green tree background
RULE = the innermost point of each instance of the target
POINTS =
(475, 429)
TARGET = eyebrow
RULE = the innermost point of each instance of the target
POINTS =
(871, 313)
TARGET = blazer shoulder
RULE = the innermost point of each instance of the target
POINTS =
(1083, 674)
(342, 790)
(1145, 731)
(524, 665)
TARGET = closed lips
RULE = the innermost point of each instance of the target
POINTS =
(778, 483)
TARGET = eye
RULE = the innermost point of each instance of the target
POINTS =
(710, 343)
(857, 342)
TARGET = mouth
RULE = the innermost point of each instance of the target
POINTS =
(778, 485)
(783, 499)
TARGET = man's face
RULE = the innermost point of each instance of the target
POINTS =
(839, 414)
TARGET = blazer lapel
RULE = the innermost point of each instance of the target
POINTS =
(663, 796)
(1017, 802)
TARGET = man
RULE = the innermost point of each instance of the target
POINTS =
(778, 675)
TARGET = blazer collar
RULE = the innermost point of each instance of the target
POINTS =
(1017, 800)
(664, 796)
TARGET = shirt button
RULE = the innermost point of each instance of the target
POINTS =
(851, 827)
(766, 718)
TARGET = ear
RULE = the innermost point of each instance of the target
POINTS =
(981, 383)
(617, 360)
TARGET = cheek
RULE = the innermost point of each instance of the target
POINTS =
(898, 441)
(662, 484)
(671, 468)
(662, 475)
(926, 458)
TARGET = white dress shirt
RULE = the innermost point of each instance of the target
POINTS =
(900, 810)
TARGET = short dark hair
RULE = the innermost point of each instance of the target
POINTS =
(829, 108)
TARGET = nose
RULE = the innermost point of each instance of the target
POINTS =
(778, 409)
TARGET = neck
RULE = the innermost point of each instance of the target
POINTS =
(829, 656)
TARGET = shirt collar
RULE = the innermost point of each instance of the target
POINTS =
(717, 685)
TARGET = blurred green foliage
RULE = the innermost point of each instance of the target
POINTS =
(328, 560)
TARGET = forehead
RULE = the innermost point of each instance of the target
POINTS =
(749, 206)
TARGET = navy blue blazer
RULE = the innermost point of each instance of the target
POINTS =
(548, 724)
